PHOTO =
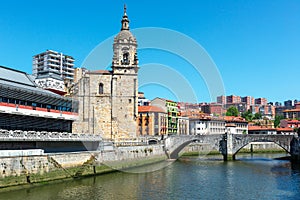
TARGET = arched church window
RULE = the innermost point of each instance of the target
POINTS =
(126, 58)
(100, 88)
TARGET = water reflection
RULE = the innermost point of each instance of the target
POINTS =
(250, 177)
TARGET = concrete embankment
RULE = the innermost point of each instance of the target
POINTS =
(28, 170)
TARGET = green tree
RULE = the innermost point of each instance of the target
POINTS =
(247, 115)
(232, 111)
(257, 115)
(277, 120)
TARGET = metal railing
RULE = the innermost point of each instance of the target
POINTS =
(19, 135)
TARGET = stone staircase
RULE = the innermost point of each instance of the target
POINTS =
(84, 166)
(58, 165)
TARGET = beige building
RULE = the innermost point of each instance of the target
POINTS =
(152, 120)
(108, 99)
(236, 125)
(183, 126)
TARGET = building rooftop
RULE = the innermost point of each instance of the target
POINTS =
(286, 129)
(99, 72)
(291, 121)
(163, 99)
(260, 128)
(234, 119)
(15, 76)
(16, 79)
(143, 109)
(292, 110)
(194, 114)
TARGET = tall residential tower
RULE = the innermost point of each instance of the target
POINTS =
(52, 69)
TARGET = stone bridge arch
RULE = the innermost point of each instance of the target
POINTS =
(175, 144)
(228, 144)
(175, 153)
(153, 140)
(240, 141)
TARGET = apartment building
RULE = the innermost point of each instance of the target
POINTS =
(52, 69)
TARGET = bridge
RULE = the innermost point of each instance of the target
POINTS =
(230, 144)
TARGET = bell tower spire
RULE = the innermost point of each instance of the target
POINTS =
(125, 20)
(125, 58)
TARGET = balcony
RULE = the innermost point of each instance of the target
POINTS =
(53, 54)
(70, 64)
(54, 65)
(69, 73)
(40, 61)
(53, 60)
(69, 58)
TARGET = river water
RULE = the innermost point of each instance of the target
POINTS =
(256, 176)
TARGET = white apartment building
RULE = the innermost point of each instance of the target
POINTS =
(204, 126)
(200, 126)
(51, 69)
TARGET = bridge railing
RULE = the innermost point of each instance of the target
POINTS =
(19, 135)
(139, 141)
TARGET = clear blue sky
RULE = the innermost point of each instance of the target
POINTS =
(254, 44)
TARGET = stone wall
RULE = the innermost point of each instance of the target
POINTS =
(252, 147)
(33, 169)
(263, 146)
(124, 105)
(94, 108)
(112, 113)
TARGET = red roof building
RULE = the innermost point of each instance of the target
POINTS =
(151, 120)
(270, 131)
(286, 123)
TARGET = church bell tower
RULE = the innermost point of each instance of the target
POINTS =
(124, 81)
(125, 59)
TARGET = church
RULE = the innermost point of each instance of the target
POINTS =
(108, 99)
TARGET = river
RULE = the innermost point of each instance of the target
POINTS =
(256, 176)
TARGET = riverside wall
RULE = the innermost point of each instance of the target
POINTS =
(27, 170)
(31, 169)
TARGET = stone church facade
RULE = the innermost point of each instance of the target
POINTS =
(108, 100)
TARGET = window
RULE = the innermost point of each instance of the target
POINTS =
(126, 58)
(129, 100)
(100, 88)
(10, 100)
(33, 106)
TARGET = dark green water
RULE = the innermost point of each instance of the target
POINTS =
(250, 177)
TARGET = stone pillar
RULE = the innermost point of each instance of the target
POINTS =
(295, 149)
(228, 153)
